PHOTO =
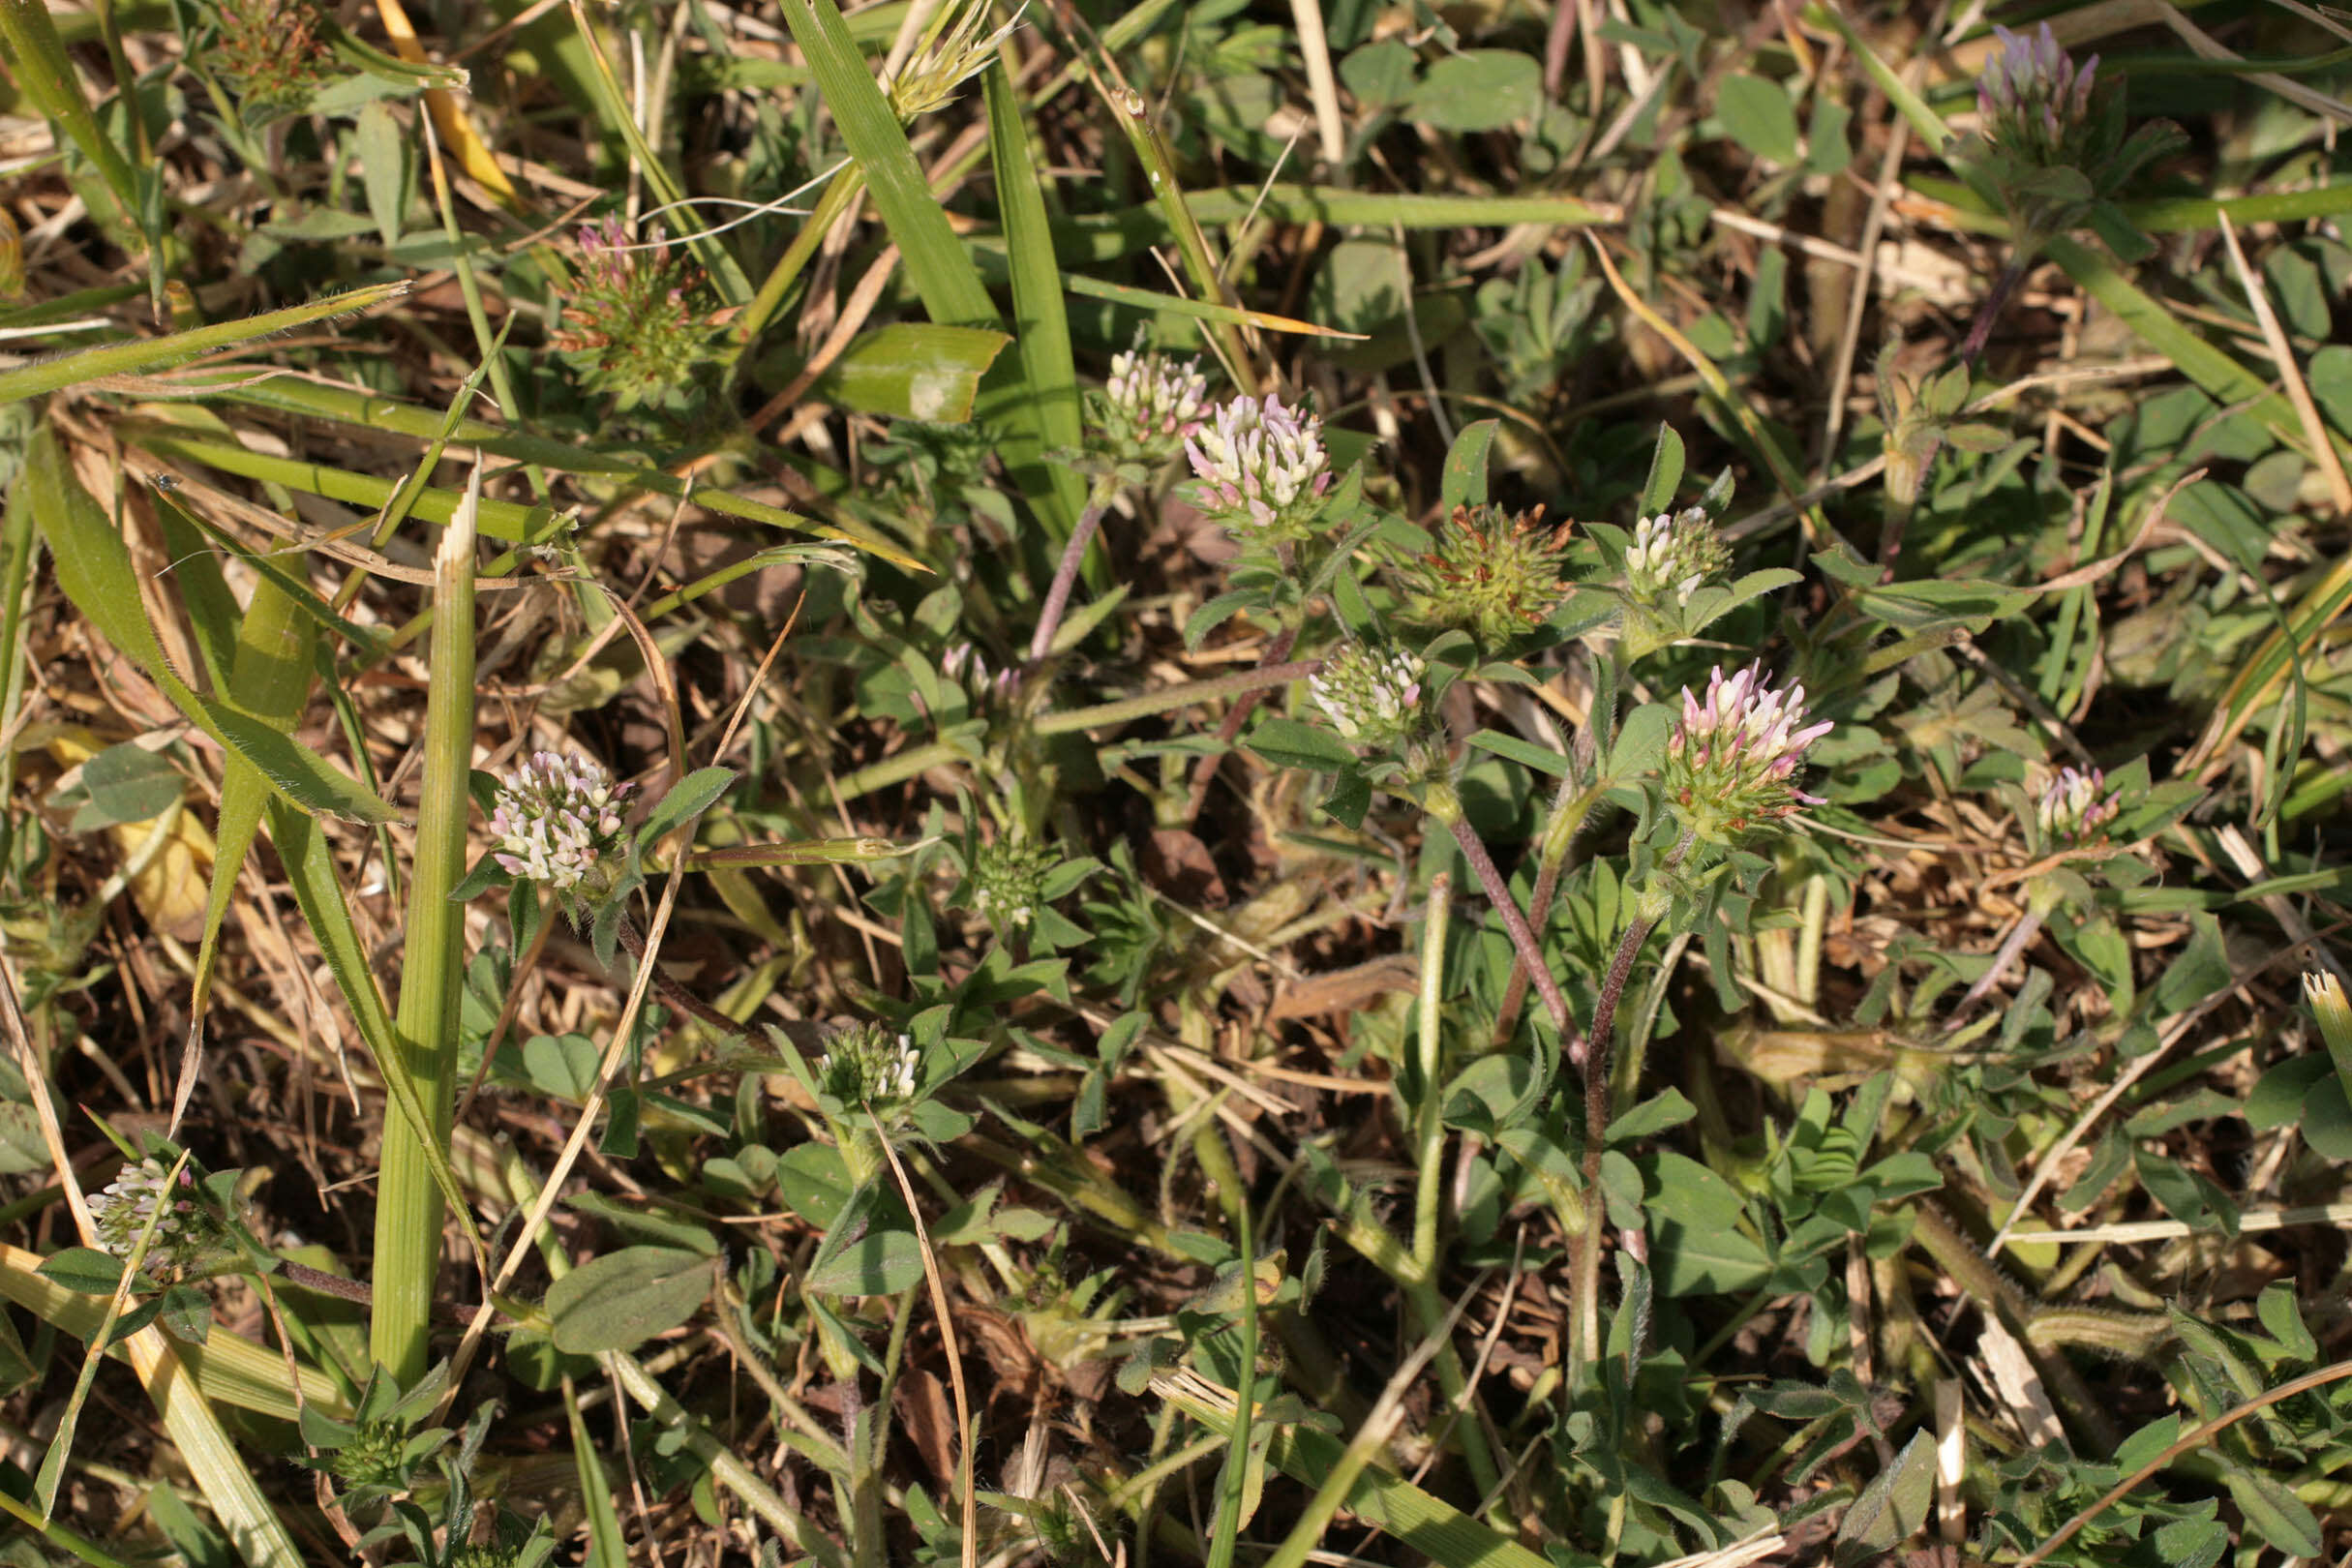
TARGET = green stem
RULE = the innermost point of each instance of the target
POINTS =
(1233, 1479)
(408, 1207)
(1430, 1120)
(842, 189)
(898, 769)
(1127, 710)
(1586, 1342)
(1134, 112)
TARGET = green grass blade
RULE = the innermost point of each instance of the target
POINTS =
(1437, 1529)
(270, 680)
(94, 568)
(1108, 237)
(2219, 376)
(227, 1367)
(1043, 378)
(612, 105)
(409, 1197)
(59, 1535)
(1134, 112)
(937, 264)
(149, 354)
(606, 1547)
(69, 1419)
(499, 520)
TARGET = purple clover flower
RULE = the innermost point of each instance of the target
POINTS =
(1731, 762)
(1261, 466)
(2075, 809)
(2033, 97)
(556, 820)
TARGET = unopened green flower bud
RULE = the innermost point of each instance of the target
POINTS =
(1493, 574)
(868, 1065)
(1008, 882)
(1373, 697)
(1674, 555)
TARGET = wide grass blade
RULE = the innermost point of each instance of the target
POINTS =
(1042, 378)
(937, 263)
(408, 1198)
(497, 519)
(270, 680)
(227, 1367)
(94, 568)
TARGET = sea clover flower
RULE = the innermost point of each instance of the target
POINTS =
(1493, 574)
(1149, 402)
(1731, 762)
(1674, 555)
(1008, 882)
(1261, 467)
(120, 1212)
(2034, 100)
(1372, 696)
(629, 322)
(868, 1065)
(2075, 809)
(556, 819)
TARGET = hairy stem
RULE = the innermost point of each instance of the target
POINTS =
(1066, 574)
(2021, 936)
(1205, 773)
(1522, 939)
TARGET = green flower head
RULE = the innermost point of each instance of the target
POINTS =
(868, 1065)
(1008, 882)
(1493, 574)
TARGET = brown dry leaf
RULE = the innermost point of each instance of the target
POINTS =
(1345, 990)
(921, 1402)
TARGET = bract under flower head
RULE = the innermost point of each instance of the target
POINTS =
(2033, 98)
(556, 820)
(1373, 697)
(1261, 466)
(1150, 402)
(1493, 574)
(1674, 555)
(1731, 765)
(2075, 809)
